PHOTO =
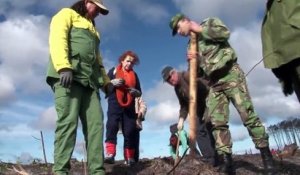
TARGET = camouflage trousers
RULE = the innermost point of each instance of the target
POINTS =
(233, 88)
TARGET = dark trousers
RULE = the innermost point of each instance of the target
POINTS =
(137, 146)
(128, 123)
(205, 140)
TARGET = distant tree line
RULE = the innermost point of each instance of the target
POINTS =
(285, 132)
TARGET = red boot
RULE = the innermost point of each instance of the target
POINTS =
(110, 153)
(129, 156)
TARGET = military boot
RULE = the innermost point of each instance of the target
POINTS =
(226, 164)
(267, 160)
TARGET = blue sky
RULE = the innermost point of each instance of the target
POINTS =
(26, 102)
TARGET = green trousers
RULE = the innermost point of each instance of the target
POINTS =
(71, 104)
(234, 89)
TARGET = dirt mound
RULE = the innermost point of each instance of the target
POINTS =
(244, 165)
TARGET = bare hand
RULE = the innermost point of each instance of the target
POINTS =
(139, 124)
(191, 55)
(180, 124)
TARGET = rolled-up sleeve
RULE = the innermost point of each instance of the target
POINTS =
(184, 108)
(214, 29)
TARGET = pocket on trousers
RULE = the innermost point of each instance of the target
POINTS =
(62, 99)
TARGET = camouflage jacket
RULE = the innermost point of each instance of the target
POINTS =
(214, 49)
(281, 32)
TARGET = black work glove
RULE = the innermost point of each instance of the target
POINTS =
(66, 77)
(109, 89)
(134, 92)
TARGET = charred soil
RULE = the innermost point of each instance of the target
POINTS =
(244, 165)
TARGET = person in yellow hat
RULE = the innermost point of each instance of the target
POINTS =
(75, 74)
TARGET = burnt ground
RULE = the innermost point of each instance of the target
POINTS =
(244, 165)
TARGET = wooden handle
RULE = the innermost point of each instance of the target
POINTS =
(193, 94)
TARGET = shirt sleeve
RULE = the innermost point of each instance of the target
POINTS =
(138, 84)
(214, 29)
(58, 39)
(183, 111)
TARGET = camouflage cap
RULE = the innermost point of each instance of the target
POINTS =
(165, 73)
(174, 21)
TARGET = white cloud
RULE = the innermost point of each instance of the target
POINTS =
(18, 8)
(160, 91)
(18, 131)
(7, 90)
(47, 120)
(163, 105)
(15, 115)
(264, 88)
(234, 12)
(110, 23)
(24, 51)
(15, 5)
(25, 158)
(29, 106)
(20, 111)
(146, 10)
(164, 112)
(239, 133)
